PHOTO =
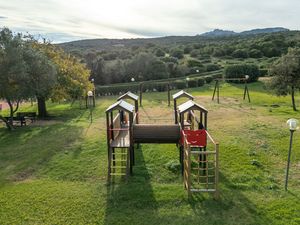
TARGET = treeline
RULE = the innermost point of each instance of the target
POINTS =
(33, 70)
(119, 63)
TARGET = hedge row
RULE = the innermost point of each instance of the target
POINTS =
(241, 70)
(158, 86)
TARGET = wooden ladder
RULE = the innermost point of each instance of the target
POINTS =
(118, 162)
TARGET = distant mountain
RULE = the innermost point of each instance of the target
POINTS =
(264, 31)
(226, 33)
(218, 33)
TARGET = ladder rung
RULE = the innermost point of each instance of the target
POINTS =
(118, 167)
(209, 168)
(202, 190)
(206, 183)
(208, 176)
(117, 174)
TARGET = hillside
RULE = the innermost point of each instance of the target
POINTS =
(118, 60)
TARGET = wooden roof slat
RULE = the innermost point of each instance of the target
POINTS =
(191, 105)
(129, 95)
(121, 105)
(182, 93)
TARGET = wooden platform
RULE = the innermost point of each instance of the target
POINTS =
(122, 140)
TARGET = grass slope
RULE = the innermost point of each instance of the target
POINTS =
(54, 172)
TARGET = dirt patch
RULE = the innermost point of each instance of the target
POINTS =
(39, 123)
(23, 176)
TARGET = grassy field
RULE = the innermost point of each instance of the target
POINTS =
(54, 172)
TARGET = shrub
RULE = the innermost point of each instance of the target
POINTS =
(194, 53)
(179, 84)
(194, 63)
(177, 53)
(192, 83)
(240, 53)
(212, 67)
(208, 79)
(263, 72)
(197, 70)
(239, 71)
(201, 82)
(216, 76)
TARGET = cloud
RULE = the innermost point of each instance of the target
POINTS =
(69, 19)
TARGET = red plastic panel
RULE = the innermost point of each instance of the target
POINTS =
(195, 137)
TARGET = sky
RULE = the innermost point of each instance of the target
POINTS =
(68, 20)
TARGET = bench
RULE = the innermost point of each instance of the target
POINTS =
(17, 119)
(27, 115)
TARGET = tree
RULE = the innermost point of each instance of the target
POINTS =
(13, 74)
(42, 77)
(286, 74)
(177, 53)
(72, 77)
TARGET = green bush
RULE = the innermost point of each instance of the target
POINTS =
(208, 79)
(201, 82)
(240, 53)
(239, 71)
(179, 84)
(177, 53)
(194, 63)
(192, 83)
(263, 72)
(212, 67)
(216, 76)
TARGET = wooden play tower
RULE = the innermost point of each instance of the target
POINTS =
(198, 152)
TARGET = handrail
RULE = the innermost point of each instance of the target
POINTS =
(135, 117)
(212, 140)
(118, 129)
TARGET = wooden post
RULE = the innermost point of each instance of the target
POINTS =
(175, 111)
(136, 103)
(112, 125)
(108, 145)
(246, 91)
(141, 93)
(189, 182)
(213, 97)
(131, 148)
(205, 121)
(169, 97)
(181, 156)
(216, 195)
(218, 92)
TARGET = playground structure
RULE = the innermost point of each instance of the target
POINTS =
(199, 166)
(217, 87)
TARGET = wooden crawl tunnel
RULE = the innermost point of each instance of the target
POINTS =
(178, 95)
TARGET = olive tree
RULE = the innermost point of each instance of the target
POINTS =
(286, 74)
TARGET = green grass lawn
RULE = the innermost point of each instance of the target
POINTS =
(54, 172)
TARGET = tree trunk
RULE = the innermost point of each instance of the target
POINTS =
(8, 125)
(12, 111)
(42, 111)
(293, 98)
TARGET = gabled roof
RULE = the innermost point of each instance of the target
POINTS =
(182, 93)
(129, 95)
(121, 105)
(191, 105)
